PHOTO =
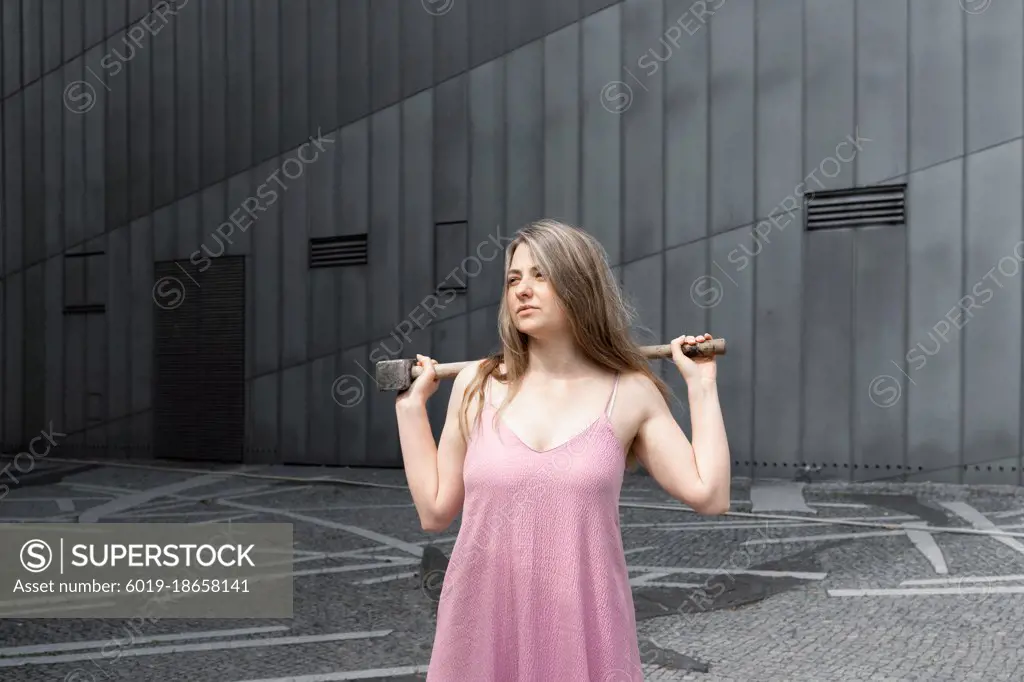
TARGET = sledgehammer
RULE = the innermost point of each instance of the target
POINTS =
(397, 375)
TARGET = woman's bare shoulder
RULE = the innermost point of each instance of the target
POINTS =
(639, 388)
(467, 373)
(638, 381)
(465, 377)
(460, 392)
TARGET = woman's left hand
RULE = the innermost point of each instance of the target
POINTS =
(696, 369)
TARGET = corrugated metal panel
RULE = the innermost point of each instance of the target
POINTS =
(199, 374)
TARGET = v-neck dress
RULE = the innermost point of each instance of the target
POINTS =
(536, 588)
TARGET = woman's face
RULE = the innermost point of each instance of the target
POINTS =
(530, 297)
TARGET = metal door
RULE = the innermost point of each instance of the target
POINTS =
(199, 368)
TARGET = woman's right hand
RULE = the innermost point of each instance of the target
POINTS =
(422, 386)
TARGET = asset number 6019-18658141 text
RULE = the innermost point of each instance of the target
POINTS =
(195, 585)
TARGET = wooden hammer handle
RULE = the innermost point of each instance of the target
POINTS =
(703, 349)
(449, 370)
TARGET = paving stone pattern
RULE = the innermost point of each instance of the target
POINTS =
(759, 611)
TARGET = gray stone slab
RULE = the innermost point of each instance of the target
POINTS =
(47, 476)
(652, 654)
(905, 504)
(727, 590)
(778, 496)
(925, 542)
(126, 502)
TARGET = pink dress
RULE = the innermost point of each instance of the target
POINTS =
(536, 588)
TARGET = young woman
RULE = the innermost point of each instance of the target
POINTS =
(532, 454)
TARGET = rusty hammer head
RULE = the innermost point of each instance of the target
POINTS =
(398, 375)
(395, 375)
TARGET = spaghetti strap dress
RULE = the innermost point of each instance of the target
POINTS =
(536, 588)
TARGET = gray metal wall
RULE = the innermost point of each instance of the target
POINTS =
(670, 134)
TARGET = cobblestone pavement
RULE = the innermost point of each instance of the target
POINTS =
(788, 595)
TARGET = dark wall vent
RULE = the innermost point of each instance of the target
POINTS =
(456, 287)
(84, 254)
(85, 283)
(337, 252)
(85, 309)
(857, 207)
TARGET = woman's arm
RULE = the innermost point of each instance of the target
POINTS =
(699, 474)
(434, 472)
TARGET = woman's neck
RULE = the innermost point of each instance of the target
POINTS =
(557, 358)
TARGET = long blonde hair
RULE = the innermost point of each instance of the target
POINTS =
(576, 265)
